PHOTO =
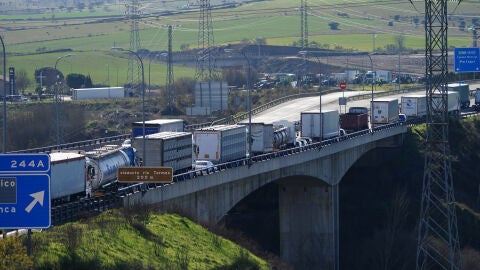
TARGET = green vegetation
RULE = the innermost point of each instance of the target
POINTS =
(380, 201)
(31, 38)
(137, 239)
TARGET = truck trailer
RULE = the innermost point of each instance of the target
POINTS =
(262, 137)
(220, 143)
(98, 93)
(166, 149)
(385, 111)
(414, 106)
(453, 103)
(156, 126)
(476, 106)
(463, 90)
(311, 121)
(356, 119)
(67, 175)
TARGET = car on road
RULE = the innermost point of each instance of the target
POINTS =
(204, 166)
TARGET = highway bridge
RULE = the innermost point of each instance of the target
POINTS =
(308, 178)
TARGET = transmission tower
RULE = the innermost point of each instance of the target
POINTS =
(438, 243)
(133, 15)
(303, 25)
(169, 82)
(204, 71)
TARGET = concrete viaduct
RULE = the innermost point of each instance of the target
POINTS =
(308, 181)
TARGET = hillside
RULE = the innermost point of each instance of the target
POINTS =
(380, 201)
(138, 239)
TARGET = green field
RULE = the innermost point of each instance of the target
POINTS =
(363, 25)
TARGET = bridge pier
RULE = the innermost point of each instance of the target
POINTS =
(308, 214)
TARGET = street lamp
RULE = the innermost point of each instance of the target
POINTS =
(144, 158)
(4, 148)
(249, 105)
(320, 117)
(57, 129)
(373, 81)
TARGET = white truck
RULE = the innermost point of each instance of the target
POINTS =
(166, 149)
(379, 75)
(311, 121)
(220, 143)
(385, 111)
(414, 106)
(98, 93)
(262, 137)
(476, 106)
(67, 175)
(453, 103)
(156, 126)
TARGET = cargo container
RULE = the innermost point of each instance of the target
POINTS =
(166, 149)
(463, 93)
(283, 134)
(220, 143)
(385, 111)
(476, 106)
(379, 75)
(356, 119)
(156, 126)
(102, 164)
(98, 93)
(262, 137)
(311, 121)
(414, 106)
(67, 178)
(453, 103)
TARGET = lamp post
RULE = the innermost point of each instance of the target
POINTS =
(57, 128)
(249, 105)
(144, 156)
(320, 135)
(4, 148)
(373, 81)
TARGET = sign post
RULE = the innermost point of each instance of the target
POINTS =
(343, 100)
(145, 174)
(25, 191)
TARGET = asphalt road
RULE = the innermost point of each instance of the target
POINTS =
(291, 110)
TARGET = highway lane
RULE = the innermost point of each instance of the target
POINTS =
(291, 110)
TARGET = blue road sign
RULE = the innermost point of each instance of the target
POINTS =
(25, 191)
(24, 163)
(467, 59)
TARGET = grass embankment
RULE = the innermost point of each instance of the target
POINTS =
(120, 239)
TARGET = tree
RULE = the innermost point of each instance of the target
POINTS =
(333, 25)
(75, 80)
(260, 41)
(21, 80)
(88, 82)
(14, 254)
(400, 42)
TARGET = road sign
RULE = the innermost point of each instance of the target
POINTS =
(343, 85)
(467, 60)
(145, 174)
(24, 163)
(25, 191)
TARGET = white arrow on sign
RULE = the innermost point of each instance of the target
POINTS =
(37, 197)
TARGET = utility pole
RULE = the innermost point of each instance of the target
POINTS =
(438, 242)
(133, 15)
(303, 25)
(169, 83)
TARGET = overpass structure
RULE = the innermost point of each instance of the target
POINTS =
(307, 177)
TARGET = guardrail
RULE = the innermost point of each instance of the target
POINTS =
(249, 161)
(75, 145)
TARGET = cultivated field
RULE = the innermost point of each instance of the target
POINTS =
(363, 25)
